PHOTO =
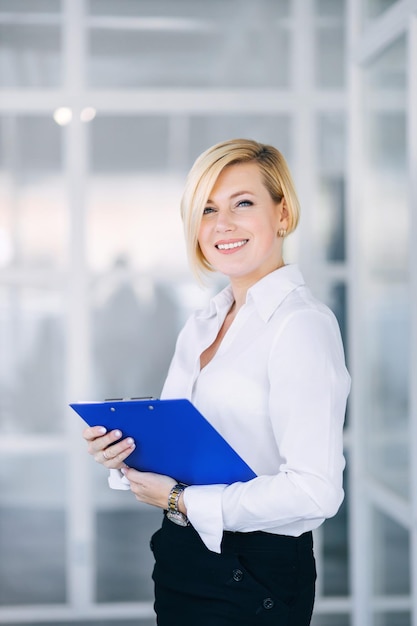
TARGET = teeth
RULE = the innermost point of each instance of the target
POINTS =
(229, 246)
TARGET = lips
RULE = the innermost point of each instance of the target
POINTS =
(231, 245)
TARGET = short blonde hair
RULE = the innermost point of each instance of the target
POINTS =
(202, 178)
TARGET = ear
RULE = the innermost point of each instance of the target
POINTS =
(284, 214)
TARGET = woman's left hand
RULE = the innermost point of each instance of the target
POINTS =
(149, 487)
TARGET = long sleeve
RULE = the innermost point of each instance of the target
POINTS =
(308, 388)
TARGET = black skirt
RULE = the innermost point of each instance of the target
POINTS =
(259, 578)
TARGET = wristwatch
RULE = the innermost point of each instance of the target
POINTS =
(173, 513)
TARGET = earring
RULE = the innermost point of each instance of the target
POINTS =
(282, 232)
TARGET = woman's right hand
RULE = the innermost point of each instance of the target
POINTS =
(102, 446)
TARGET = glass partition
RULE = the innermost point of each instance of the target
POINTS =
(32, 361)
(139, 44)
(109, 192)
(330, 45)
(30, 44)
(382, 230)
(33, 208)
(335, 564)
(391, 566)
(204, 131)
(374, 8)
(130, 545)
(330, 210)
(32, 529)
(332, 619)
(393, 618)
(391, 557)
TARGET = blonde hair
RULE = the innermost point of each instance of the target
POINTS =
(203, 176)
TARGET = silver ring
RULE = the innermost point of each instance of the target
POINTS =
(105, 455)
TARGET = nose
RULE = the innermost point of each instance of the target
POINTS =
(224, 221)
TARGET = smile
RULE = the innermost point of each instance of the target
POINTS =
(230, 246)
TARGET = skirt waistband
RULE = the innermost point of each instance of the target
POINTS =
(237, 541)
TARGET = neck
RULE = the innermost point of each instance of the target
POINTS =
(239, 299)
(240, 287)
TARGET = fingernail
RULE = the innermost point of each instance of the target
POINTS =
(102, 430)
(117, 434)
(130, 441)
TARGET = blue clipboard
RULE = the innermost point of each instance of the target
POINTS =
(172, 437)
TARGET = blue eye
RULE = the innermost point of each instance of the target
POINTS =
(245, 203)
(208, 210)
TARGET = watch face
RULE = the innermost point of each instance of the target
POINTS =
(178, 518)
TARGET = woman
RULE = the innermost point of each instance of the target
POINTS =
(264, 363)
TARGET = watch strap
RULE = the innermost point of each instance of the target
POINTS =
(173, 513)
(174, 496)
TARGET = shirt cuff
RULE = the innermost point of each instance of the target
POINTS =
(117, 480)
(204, 510)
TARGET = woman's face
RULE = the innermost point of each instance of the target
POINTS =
(238, 232)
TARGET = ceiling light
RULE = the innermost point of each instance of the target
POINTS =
(63, 116)
(87, 114)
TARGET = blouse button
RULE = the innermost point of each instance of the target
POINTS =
(268, 603)
(237, 575)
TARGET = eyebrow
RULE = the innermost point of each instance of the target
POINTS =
(235, 195)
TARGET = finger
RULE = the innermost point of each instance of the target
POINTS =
(93, 432)
(99, 443)
(114, 455)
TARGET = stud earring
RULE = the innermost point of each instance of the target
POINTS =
(282, 232)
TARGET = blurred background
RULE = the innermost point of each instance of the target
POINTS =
(104, 105)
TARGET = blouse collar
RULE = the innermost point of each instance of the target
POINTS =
(267, 294)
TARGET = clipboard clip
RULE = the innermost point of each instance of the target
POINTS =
(127, 399)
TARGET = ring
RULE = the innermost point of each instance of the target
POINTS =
(105, 455)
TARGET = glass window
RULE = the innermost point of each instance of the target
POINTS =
(197, 44)
(32, 530)
(32, 362)
(123, 536)
(30, 55)
(387, 136)
(123, 529)
(140, 288)
(129, 143)
(33, 211)
(215, 9)
(330, 209)
(30, 133)
(330, 619)
(136, 320)
(337, 301)
(30, 6)
(330, 8)
(387, 76)
(375, 8)
(330, 228)
(382, 234)
(331, 142)
(386, 348)
(330, 46)
(334, 550)
(390, 556)
(205, 131)
(134, 222)
(392, 619)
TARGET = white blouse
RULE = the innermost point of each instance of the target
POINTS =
(276, 390)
